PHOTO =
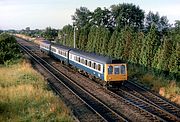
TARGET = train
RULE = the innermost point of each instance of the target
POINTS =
(108, 70)
(102, 68)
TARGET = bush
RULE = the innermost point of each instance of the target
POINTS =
(9, 50)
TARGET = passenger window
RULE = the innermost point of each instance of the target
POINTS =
(82, 60)
(123, 71)
(93, 65)
(110, 70)
(116, 69)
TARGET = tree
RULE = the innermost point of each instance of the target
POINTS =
(128, 15)
(9, 49)
(112, 44)
(1, 31)
(83, 37)
(50, 34)
(162, 56)
(65, 35)
(81, 17)
(119, 48)
(149, 48)
(90, 47)
(136, 47)
(174, 61)
(177, 26)
(161, 23)
(102, 17)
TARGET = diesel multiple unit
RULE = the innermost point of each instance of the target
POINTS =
(105, 68)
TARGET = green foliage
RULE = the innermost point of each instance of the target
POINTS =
(83, 37)
(122, 33)
(92, 39)
(66, 36)
(1, 31)
(173, 65)
(149, 48)
(128, 15)
(128, 38)
(112, 44)
(161, 23)
(81, 17)
(25, 96)
(9, 49)
(136, 46)
(50, 33)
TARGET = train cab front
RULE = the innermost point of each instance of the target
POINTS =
(115, 74)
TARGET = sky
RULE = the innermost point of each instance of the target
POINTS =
(39, 14)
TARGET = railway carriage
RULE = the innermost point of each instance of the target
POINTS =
(105, 68)
(45, 46)
(60, 52)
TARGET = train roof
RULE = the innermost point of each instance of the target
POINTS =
(45, 41)
(87, 55)
(62, 47)
(94, 57)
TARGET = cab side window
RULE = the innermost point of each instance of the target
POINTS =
(123, 71)
(110, 70)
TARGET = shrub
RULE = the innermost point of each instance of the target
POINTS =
(9, 50)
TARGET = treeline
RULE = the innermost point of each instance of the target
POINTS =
(9, 50)
(125, 32)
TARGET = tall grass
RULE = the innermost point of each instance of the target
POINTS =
(24, 96)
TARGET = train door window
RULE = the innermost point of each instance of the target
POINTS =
(78, 59)
(70, 56)
(116, 70)
(85, 62)
(99, 67)
(96, 67)
(110, 70)
(123, 71)
(93, 65)
(89, 63)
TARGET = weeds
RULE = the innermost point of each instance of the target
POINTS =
(24, 97)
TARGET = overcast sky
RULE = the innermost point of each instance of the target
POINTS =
(19, 14)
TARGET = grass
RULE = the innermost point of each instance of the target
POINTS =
(170, 89)
(24, 96)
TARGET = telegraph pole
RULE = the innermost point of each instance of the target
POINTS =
(74, 36)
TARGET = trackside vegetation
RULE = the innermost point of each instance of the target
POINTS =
(149, 43)
(9, 51)
(24, 96)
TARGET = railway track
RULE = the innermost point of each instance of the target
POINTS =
(148, 108)
(156, 99)
(146, 105)
(96, 106)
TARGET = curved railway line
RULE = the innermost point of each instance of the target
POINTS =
(153, 98)
(146, 105)
(103, 111)
(141, 100)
